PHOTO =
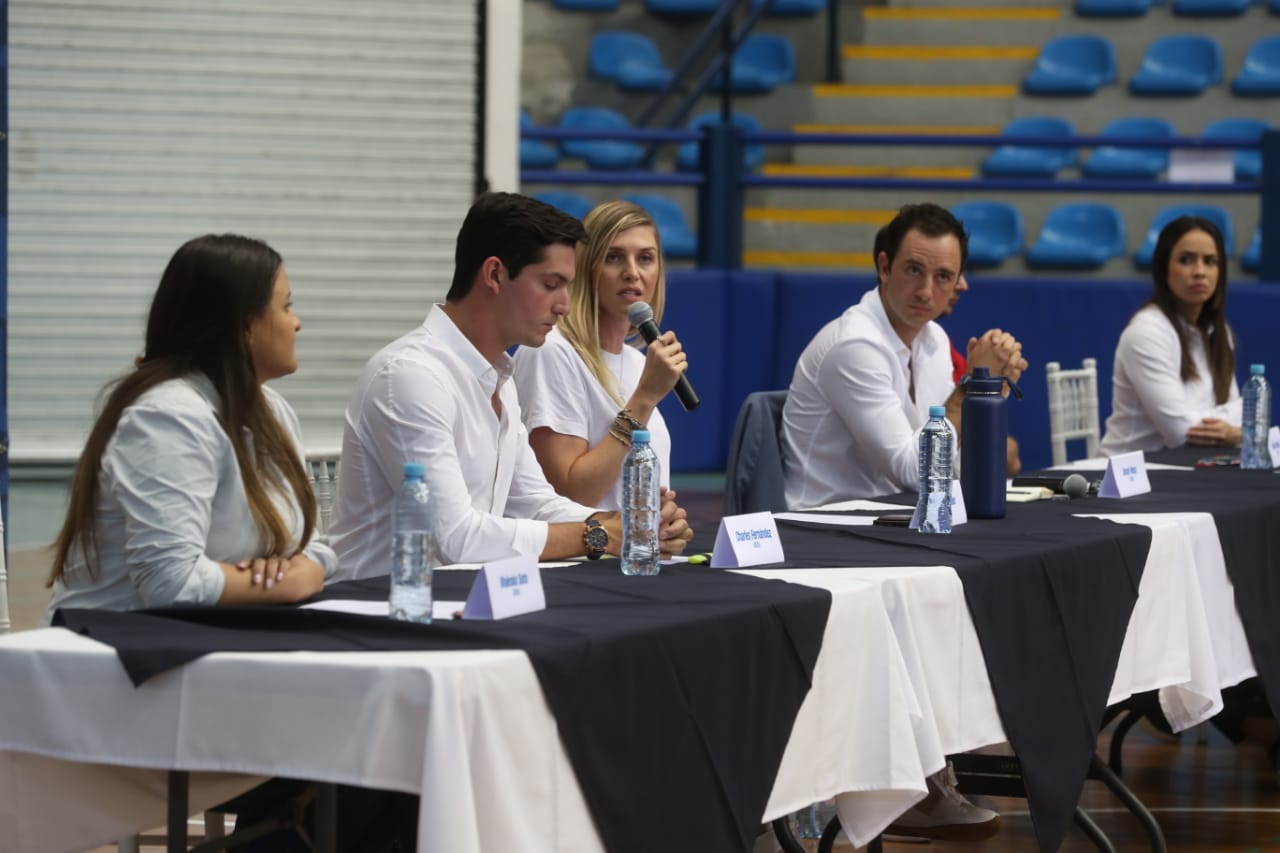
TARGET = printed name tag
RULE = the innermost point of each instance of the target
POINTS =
(1126, 476)
(1273, 441)
(506, 588)
(958, 514)
(747, 540)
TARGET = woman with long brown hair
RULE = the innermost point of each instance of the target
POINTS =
(1174, 379)
(192, 487)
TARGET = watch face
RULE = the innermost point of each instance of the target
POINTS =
(596, 538)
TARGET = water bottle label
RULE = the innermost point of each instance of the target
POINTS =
(958, 513)
(747, 540)
(1126, 476)
(506, 588)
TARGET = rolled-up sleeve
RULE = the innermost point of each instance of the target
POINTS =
(163, 467)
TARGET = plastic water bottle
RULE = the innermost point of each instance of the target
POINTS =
(641, 507)
(812, 820)
(413, 548)
(1255, 451)
(936, 446)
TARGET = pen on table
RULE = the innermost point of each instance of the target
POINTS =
(700, 559)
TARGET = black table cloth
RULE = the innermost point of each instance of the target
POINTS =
(1050, 596)
(674, 695)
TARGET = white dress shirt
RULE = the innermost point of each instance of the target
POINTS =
(1151, 407)
(558, 391)
(171, 505)
(427, 398)
(850, 428)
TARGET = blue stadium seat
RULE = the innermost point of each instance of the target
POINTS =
(1110, 162)
(1027, 162)
(1248, 160)
(791, 8)
(535, 154)
(1216, 215)
(1081, 235)
(1251, 260)
(761, 62)
(599, 153)
(1261, 72)
(678, 239)
(570, 202)
(586, 5)
(1112, 8)
(1178, 65)
(1206, 8)
(682, 7)
(1072, 65)
(629, 59)
(995, 231)
(687, 158)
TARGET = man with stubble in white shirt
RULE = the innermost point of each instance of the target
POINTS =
(860, 394)
(863, 386)
(441, 395)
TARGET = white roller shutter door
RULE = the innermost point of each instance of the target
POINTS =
(343, 134)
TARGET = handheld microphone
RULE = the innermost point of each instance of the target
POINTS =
(641, 316)
(1072, 485)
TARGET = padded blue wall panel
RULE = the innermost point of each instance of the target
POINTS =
(721, 317)
(696, 311)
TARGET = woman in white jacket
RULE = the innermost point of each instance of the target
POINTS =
(1174, 379)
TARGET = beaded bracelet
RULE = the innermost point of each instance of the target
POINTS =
(629, 419)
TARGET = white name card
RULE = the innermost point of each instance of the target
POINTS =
(1201, 166)
(958, 513)
(747, 540)
(1126, 476)
(506, 588)
(1273, 441)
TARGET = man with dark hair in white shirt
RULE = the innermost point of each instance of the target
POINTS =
(440, 395)
(863, 387)
(861, 391)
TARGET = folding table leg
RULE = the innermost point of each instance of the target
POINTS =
(1100, 771)
(786, 838)
(326, 817)
(1091, 829)
(177, 828)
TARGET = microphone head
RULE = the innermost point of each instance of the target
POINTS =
(639, 312)
(1075, 486)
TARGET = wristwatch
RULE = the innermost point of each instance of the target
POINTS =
(595, 538)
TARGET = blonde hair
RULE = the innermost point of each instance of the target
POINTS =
(581, 326)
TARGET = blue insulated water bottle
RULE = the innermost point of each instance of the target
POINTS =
(984, 434)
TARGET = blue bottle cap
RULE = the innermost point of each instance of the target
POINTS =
(937, 411)
(1257, 369)
(414, 470)
(639, 436)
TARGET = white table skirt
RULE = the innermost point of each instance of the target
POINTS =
(470, 731)
(899, 683)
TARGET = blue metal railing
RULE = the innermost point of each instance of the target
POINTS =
(722, 180)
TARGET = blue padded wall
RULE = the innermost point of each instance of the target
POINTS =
(745, 331)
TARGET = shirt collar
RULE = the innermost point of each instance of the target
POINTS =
(924, 340)
(490, 376)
